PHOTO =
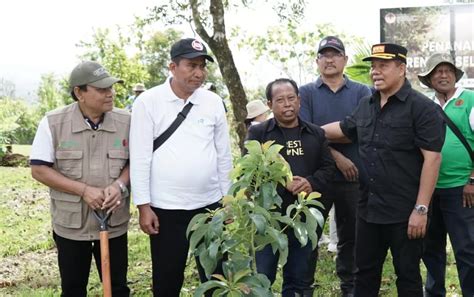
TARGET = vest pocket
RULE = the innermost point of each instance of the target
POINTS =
(70, 163)
(117, 160)
(66, 209)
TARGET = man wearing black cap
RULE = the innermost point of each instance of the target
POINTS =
(400, 134)
(453, 199)
(189, 172)
(80, 152)
(331, 98)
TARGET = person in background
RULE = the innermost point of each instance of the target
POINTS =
(80, 152)
(400, 133)
(333, 97)
(189, 173)
(453, 200)
(137, 90)
(257, 112)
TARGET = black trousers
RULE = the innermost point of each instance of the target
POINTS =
(449, 216)
(345, 196)
(169, 250)
(74, 260)
(372, 244)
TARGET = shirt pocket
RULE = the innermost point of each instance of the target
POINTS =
(364, 130)
(70, 163)
(66, 210)
(117, 161)
(400, 134)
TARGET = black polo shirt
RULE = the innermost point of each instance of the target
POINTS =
(390, 139)
(305, 148)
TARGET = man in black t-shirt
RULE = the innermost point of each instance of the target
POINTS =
(306, 150)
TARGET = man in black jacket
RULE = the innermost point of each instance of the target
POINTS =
(306, 150)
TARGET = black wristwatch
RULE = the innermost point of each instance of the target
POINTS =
(421, 209)
(471, 181)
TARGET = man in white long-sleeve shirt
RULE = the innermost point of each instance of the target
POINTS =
(189, 172)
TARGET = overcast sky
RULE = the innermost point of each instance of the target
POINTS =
(40, 36)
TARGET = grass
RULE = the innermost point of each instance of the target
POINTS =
(28, 255)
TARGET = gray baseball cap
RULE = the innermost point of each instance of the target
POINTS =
(93, 74)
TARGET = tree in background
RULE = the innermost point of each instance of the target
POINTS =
(293, 50)
(7, 88)
(111, 53)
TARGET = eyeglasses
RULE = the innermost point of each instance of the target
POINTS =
(330, 55)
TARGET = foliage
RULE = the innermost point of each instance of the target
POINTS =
(155, 55)
(290, 48)
(51, 94)
(357, 69)
(111, 53)
(249, 220)
(17, 122)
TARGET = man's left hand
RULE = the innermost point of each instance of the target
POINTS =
(468, 196)
(113, 197)
(417, 225)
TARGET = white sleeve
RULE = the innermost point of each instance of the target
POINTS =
(222, 144)
(141, 152)
(42, 148)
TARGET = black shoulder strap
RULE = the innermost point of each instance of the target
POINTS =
(179, 119)
(458, 133)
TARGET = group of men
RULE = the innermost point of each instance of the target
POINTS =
(374, 155)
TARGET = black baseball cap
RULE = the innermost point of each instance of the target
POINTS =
(331, 42)
(388, 51)
(189, 48)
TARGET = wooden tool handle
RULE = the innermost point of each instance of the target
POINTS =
(105, 263)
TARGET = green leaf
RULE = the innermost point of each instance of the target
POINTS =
(313, 195)
(214, 248)
(310, 221)
(240, 274)
(283, 256)
(317, 215)
(259, 221)
(204, 287)
(313, 236)
(253, 147)
(266, 193)
(208, 263)
(300, 233)
(197, 236)
(195, 222)
(289, 209)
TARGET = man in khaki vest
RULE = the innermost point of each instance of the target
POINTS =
(80, 152)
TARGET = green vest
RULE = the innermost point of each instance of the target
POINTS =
(456, 164)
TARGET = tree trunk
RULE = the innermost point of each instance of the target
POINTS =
(220, 48)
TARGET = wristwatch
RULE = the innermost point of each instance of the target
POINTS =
(123, 188)
(421, 209)
(471, 181)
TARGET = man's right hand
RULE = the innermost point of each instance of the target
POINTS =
(94, 197)
(348, 169)
(148, 219)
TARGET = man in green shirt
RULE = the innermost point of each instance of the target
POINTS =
(453, 199)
